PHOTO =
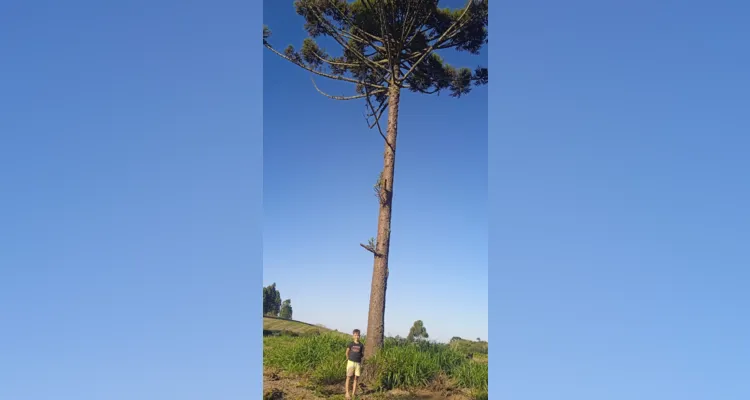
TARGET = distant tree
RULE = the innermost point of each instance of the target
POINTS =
(479, 340)
(271, 300)
(455, 339)
(417, 331)
(286, 309)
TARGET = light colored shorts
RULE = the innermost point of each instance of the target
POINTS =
(353, 368)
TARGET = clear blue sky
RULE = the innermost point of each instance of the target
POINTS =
(130, 153)
(619, 200)
(320, 163)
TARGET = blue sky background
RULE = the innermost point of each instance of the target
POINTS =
(619, 194)
(320, 163)
(130, 240)
(130, 144)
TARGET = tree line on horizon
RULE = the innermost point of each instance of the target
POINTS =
(272, 304)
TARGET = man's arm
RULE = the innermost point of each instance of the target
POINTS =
(347, 352)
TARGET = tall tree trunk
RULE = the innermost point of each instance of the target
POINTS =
(376, 317)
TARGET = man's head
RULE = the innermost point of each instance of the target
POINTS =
(355, 335)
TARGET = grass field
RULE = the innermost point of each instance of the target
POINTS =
(311, 366)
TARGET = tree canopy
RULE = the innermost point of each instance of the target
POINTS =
(417, 331)
(271, 300)
(286, 309)
(387, 43)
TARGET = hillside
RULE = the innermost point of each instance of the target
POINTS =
(469, 346)
(274, 325)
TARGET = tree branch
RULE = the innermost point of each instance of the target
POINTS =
(351, 23)
(383, 28)
(424, 20)
(377, 120)
(370, 249)
(438, 42)
(359, 96)
(377, 113)
(340, 64)
(405, 23)
(323, 74)
(337, 35)
(425, 91)
(445, 42)
(454, 33)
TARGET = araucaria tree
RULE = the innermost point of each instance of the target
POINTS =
(384, 47)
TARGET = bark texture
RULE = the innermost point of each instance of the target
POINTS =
(376, 317)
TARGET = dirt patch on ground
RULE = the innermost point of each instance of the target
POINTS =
(279, 386)
(276, 386)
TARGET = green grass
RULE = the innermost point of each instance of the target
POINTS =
(400, 364)
(472, 375)
(305, 353)
(406, 365)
